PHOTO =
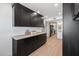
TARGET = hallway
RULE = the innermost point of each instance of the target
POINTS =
(53, 47)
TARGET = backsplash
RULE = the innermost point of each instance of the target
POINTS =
(21, 30)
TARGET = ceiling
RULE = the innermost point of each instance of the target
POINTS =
(46, 9)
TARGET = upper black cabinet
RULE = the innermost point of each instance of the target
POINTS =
(23, 17)
(37, 21)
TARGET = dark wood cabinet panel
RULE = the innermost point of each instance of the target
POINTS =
(24, 47)
(17, 14)
(25, 17)
(37, 21)
(41, 39)
(21, 15)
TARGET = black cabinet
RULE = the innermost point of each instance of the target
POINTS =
(25, 17)
(21, 15)
(37, 21)
(17, 15)
(26, 46)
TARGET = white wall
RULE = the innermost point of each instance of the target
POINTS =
(60, 31)
(5, 29)
(47, 29)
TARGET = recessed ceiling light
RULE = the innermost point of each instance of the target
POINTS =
(38, 11)
(34, 14)
(56, 4)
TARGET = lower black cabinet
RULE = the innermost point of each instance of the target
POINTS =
(26, 46)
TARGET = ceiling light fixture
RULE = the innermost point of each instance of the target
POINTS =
(34, 14)
(56, 4)
(38, 11)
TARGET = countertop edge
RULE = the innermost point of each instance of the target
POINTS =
(18, 37)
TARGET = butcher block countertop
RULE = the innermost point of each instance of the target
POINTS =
(18, 37)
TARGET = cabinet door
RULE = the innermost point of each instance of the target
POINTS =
(37, 21)
(19, 47)
(41, 39)
(34, 21)
(25, 18)
(17, 15)
(21, 16)
(26, 46)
